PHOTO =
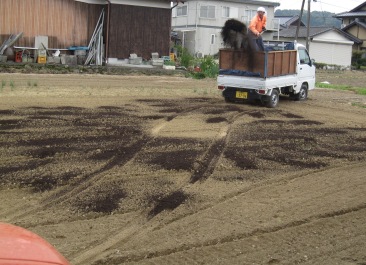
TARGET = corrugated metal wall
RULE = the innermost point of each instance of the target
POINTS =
(65, 22)
(140, 30)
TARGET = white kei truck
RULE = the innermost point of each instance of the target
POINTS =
(284, 68)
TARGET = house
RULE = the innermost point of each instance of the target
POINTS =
(138, 26)
(287, 21)
(354, 23)
(326, 45)
(199, 23)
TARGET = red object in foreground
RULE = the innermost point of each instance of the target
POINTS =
(19, 246)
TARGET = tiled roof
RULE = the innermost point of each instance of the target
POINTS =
(351, 14)
(287, 21)
(358, 23)
(355, 12)
(359, 7)
(314, 31)
(252, 2)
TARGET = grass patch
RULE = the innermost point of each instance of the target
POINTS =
(3, 84)
(30, 84)
(357, 90)
(360, 105)
(12, 85)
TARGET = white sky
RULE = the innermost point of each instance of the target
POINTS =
(321, 5)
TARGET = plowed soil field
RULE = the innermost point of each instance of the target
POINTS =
(160, 170)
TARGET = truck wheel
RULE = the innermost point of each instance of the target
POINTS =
(272, 101)
(303, 93)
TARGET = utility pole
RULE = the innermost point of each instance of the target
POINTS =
(299, 22)
(308, 27)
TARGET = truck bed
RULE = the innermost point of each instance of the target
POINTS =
(238, 82)
(266, 64)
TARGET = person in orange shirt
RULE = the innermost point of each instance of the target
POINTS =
(256, 27)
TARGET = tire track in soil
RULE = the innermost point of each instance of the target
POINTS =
(207, 163)
(239, 236)
(216, 243)
(204, 169)
(266, 183)
(72, 190)
(210, 159)
(64, 193)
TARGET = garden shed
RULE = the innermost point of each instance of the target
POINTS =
(139, 26)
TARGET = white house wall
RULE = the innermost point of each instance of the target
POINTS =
(331, 53)
(204, 28)
(329, 47)
(204, 39)
(332, 37)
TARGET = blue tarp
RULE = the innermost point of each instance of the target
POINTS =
(238, 72)
(74, 48)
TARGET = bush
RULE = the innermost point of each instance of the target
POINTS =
(325, 66)
(200, 68)
(320, 65)
(169, 63)
(184, 57)
(209, 67)
(206, 67)
(357, 59)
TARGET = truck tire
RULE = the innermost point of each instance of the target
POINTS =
(303, 93)
(272, 101)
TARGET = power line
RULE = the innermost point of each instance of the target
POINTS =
(342, 7)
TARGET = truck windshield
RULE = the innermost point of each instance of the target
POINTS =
(304, 56)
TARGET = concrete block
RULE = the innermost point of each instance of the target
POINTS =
(3, 58)
(53, 60)
(157, 62)
(169, 67)
(69, 59)
(155, 55)
(81, 59)
(80, 52)
(133, 56)
(136, 61)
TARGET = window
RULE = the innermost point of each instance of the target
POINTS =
(213, 38)
(226, 11)
(181, 11)
(207, 11)
(248, 15)
(304, 56)
(230, 12)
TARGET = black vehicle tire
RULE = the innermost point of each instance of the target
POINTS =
(303, 93)
(272, 101)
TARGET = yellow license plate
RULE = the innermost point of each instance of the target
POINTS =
(240, 94)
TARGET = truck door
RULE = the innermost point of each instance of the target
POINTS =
(306, 68)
